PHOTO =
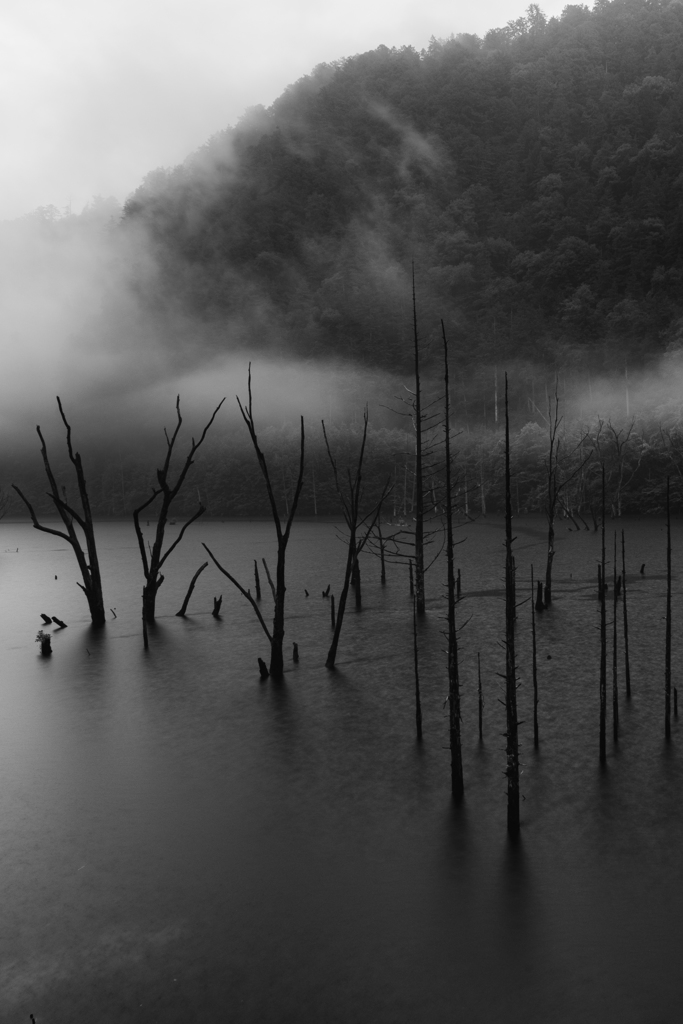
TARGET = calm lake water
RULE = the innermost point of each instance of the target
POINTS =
(181, 842)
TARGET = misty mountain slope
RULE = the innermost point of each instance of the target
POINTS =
(534, 176)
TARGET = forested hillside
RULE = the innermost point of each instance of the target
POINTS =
(534, 176)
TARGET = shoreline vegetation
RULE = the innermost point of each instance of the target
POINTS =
(638, 457)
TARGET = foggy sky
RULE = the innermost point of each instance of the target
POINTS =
(96, 93)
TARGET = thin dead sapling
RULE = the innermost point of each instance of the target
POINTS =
(191, 587)
(512, 732)
(615, 690)
(457, 781)
(360, 526)
(627, 662)
(603, 636)
(277, 634)
(667, 643)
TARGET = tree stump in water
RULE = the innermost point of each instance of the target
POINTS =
(540, 604)
(62, 625)
(47, 619)
(217, 602)
(45, 641)
(263, 669)
(295, 652)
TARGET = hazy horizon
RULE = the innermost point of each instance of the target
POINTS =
(98, 95)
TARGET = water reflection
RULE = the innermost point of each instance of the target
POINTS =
(176, 832)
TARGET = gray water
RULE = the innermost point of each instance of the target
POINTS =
(182, 842)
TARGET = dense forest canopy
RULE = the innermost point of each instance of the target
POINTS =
(534, 176)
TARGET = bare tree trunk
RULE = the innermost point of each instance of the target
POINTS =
(534, 664)
(419, 508)
(615, 691)
(512, 746)
(603, 638)
(276, 636)
(350, 504)
(480, 694)
(418, 703)
(667, 648)
(154, 558)
(383, 570)
(457, 781)
(188, 595)
(627, 663)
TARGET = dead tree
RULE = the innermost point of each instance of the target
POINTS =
(359, 526)
(153, 556)
(457, 781)
(419, 496)
(559, 474)
(87, 559)
(627, 663)
(480, 694)
(667, 642)
(512, 745)
(603, 637)
(534, 661)
(615, 690)
(418, 702)
(278, 588)
(188, 595)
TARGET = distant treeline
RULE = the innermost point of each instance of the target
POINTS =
(534, 176)
(226, 478)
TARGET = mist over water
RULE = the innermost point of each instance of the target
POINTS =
(78, 322)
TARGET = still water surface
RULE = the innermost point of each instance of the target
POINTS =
(182, 842)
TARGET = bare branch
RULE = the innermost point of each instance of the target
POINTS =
(270, 579)
(243, 592)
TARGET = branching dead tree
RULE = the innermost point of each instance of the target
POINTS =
(87, 559)
(622, 451)
(360, 527)
(153, 557)
(278, 588)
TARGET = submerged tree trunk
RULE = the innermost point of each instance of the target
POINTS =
(188, 595)
(512, 746)
(278, 588)
(457, 781)
(667, 646)
(418, 702)
(603, 638)
(419, 506)
(155, 557)
(88, 561)
(615, 691)
(534, 664)
(627, 663)
(350, 501)
(480, 694)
